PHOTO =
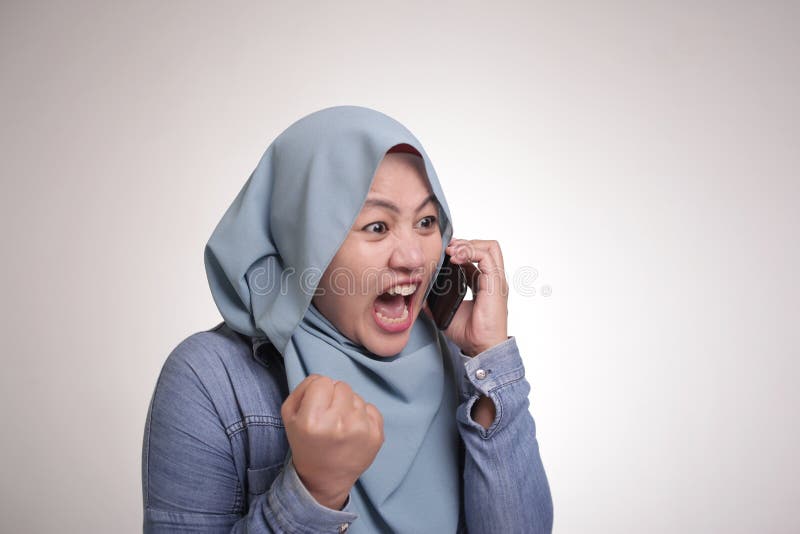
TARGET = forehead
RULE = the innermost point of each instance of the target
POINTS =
(376, 202)
(400, 173)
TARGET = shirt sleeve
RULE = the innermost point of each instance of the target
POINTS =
(505, 485)
(298, 511)
(189, 477)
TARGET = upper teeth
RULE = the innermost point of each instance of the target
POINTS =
(404, 290)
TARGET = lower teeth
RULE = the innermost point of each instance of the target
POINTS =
(393, 320)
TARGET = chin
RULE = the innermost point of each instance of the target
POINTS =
(386, 344)
(386, 348)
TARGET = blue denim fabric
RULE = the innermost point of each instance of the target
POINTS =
(214, 457)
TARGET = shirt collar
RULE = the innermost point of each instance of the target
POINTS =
(264, 351)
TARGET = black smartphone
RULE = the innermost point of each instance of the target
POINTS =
(447, 293)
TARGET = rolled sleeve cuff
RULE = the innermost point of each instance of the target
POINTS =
(300, 511)
(492, 368)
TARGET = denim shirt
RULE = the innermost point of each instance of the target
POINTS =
(214, 457)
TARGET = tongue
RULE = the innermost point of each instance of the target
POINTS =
(390, 305)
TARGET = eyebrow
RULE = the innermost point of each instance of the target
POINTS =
(393, 207)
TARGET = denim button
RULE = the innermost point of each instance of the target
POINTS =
(480, 374)
(343, 527)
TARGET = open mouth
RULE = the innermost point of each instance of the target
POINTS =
(393, 309)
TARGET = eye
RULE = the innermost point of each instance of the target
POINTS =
(373, 225)
(430, 224)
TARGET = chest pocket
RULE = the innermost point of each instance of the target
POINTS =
(268, 448)
(264, 435)
(260, 480)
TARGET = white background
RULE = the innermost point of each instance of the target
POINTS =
(643, 159)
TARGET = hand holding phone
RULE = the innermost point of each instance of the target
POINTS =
(481, 322)
(449, 290)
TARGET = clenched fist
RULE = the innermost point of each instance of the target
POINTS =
(334, 436)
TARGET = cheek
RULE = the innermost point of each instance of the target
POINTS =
(434, 249)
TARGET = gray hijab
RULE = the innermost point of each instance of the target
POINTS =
(266, 257)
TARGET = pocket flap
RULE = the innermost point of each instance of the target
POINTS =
(259, 480)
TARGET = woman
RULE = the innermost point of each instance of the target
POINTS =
(326, 401)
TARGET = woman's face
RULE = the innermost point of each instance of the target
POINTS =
(394, 246)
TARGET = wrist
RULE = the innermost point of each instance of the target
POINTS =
(333, 498)
(334, 502)
(484, 347)
(483, 412)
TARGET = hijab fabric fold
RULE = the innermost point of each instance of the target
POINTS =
(264, 261)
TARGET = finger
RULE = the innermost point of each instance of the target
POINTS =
(295, 398)
(376, 419)
(465, 249)
(317, 398)
(356, 417)
(491, 279)
(342, 402)
(459, 256)
(359, 406)
(494, 249)
(492, 246)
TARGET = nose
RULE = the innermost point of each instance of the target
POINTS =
(407, 254)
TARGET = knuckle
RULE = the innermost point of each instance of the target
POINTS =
(321, 382)
(312, 428)
(376, 412)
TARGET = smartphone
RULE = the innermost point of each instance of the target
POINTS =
(447, 293)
